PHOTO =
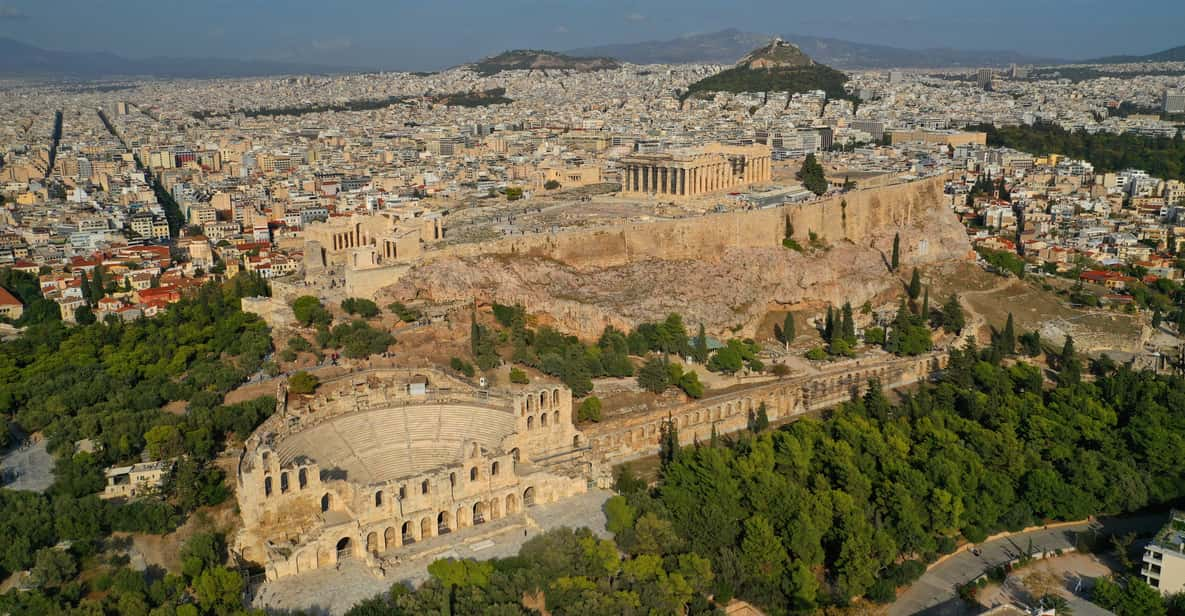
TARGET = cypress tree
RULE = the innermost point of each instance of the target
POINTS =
(848, 326)
(915, 285)
(788, 332)
(1008, 337)
(699, 349)
(896, 261)
(1069, 370)
(88, 294)
(829, 326)
(926, 306)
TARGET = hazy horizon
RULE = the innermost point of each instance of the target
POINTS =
(421, 36)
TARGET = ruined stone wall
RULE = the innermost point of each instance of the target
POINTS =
(624, 438)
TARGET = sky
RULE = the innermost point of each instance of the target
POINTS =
(431, 34)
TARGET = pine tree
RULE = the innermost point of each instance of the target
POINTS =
(915, 285)
(788, 333)
(953, 319)
(896, 261)
(714, 440)
(759, 420)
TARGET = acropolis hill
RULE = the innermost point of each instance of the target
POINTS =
(726, 270)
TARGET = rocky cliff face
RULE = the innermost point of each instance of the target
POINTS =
(728, 288)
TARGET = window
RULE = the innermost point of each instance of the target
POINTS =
(378, 498)
(494, 468)
(473, 474)
(402, 492)
(531, 422)
(543, 420)
(267, 486)
(283, 483)
(303, 478)
(424, 487)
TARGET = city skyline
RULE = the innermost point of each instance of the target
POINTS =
(373, 35)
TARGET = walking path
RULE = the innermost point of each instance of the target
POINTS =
(934, 593)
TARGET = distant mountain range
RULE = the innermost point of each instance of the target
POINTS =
(728, 46)
(19, 59)
(1176, 54)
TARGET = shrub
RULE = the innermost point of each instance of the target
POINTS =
(362, 307)
(519, 377)
(816, 354)
(589, 410)
(462, 366)
(302, 382)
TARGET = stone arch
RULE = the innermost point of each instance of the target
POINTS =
(427, 528)
(444, 523)
(473, 473)
(302, 478)
(326, 502)
(284, 482)
(543, 419)
(529, 398)
(408, 532)
(555, 397)
(511, 504)
(529, 497)
(555, 418)
(494, 469)
(378, 498)
(543, 403)
(530, 422)
(390, 539)
(372, 543)
(267, 487)
(344, 548)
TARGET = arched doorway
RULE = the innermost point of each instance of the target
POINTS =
(325, 502)
(389, 540)
(426, 528)
(443, 523)
(495, 509)
(511, 504)
(372, 543)
(529, 497)
(514, 454)
(343, 549)
(479, 512)
(459, 520)
(408, 532)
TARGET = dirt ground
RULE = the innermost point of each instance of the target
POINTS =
(988, 299)
(1058, 575)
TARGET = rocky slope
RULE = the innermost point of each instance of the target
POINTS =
(729, 290)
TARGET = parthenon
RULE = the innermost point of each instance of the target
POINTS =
(694, 172)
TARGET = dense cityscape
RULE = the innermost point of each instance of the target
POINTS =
(548, 334)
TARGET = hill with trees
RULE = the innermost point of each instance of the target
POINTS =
(776, 67)
(539, 59)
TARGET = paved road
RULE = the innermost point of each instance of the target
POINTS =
(934, 594)
(29, 468)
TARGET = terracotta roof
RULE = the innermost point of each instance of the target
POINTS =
(8, 299)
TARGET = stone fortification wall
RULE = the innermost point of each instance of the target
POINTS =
(857, 217)
(726, 271)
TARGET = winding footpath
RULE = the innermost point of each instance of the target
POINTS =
(935, 593)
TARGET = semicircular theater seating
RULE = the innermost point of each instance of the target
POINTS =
(388, 443)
